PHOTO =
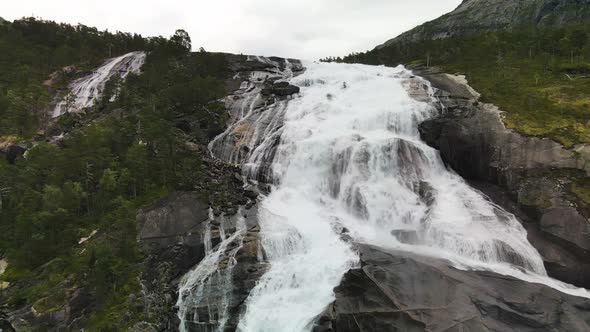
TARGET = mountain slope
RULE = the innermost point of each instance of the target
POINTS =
(476, 16)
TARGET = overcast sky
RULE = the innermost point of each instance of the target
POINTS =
(305, 29)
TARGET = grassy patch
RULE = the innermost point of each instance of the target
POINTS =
(581, 189)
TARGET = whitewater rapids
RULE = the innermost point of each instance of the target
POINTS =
(351, 168)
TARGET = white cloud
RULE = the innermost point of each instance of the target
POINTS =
(307, 29)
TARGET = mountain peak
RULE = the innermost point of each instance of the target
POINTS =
(474, 16)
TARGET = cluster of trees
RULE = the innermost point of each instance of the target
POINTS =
(132, 154)
(571, 42)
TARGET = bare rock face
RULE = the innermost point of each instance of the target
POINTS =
(536, 173)
(476, 16)
(401, 291)
(180, 217)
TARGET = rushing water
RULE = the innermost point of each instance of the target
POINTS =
(84, 92)
(351, 161)
(207, 289)
(348, 165)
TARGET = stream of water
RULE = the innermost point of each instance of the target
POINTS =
(346, 165)
(85, 91)
(351, 165)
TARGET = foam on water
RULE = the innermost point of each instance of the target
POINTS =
(351, 165)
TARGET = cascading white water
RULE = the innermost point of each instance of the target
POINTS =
(256, 124)
(351, 165)
(207, 289)
(84, 92)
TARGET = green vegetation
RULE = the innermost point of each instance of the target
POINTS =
(31, 49)
(581, 188)
(540, 78)
(132, 152)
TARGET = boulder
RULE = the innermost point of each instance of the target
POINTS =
(400, 291)
(405, 236)
(280, 89)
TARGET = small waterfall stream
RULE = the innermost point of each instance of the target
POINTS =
(204, 292)
(85, 91)
(348, 165)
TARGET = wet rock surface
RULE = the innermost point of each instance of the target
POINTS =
(258, 93)
(223, 296)
(535, 173)
(175, 233)
(401, 291)
(178, 232)
(280, 89)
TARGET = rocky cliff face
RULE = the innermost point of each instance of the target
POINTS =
(474, 16)
(536, 173)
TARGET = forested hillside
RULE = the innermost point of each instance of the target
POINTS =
(121, 155)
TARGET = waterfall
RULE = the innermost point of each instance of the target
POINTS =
(257, 122)
(350, 167)
(346, 165)
(85, 91)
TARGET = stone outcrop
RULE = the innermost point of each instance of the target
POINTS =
(279, 89)
(401, 291)
(536, 173)
(476, 16)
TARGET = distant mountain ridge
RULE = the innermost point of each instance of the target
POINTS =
(474, 16)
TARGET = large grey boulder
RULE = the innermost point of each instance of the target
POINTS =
(401, 291)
